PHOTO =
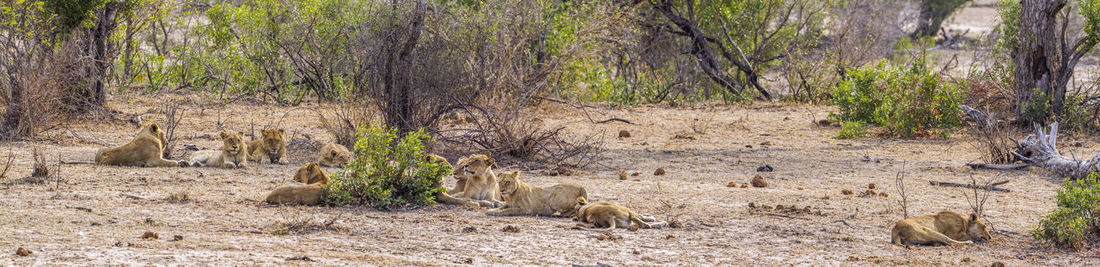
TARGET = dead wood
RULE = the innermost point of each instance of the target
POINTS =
(1041, 150)
(1018, 166)
(991, 187)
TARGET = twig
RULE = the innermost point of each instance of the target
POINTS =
(79, 208)
(615, 119)
(991, 187)
(132, 196)
(1018, 166)
(785, 216)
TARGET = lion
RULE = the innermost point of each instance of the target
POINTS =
(309, 183)
(944, 228)
(446, 197)
(610, 215)
(522, 199)
(334, 155)
(271, 147)
(477, 181)
(145, 150)
(233, 154)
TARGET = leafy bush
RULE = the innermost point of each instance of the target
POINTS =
(385, 174)
(907, 101)
(851, 130)
(1075, 219)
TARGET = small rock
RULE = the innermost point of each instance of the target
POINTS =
(853, 258)
(622, 175)
(800, 189)
(997, 264)
(510, 229)
(624, 134)
(871, 186)
(177, 238)
(150, 235)
(299, 258)
(22, 252)
(846, 192)
(565, 171)
(731, 184)
(659, 172)
(883, 195)
(635, 174)
(766, 143)
(758, 181)
(765, 168)
(748, 146)
(469, 229)
(744, 185)
(823, 122)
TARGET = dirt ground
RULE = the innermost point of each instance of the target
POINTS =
(90, 214)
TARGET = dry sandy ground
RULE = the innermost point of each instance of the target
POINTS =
(97, 214)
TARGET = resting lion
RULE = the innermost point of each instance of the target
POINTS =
(445, 197)
(610, 215)
(477, 181)
(944, 228)
(145, 150)
(521, 199)
(270, 147)
(233, 154)
(334, 155)
(308, 185)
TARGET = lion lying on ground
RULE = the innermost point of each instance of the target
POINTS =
(521, 199)
(610, 215)
(145, 150)
(233, 154)
(271, 147)
(946, 228)
(477, 181)
(308, 185)
(333, 155)
(446, 197)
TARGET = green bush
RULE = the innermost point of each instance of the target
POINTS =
(1076, 217)
(907, 101)
(386, 174)
(851, 130)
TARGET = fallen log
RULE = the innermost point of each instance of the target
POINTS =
(1018, 166)
(991, 187)
(1041, 150)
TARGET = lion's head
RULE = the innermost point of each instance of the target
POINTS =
(155, 130)
(273, 143)
(311, 174)
(509, 183)
(232, 143)
(476, 164)
(334, 155)
(976, 229)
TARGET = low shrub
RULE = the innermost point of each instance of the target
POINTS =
(907, 101)
(1074, 222)
(387, 173)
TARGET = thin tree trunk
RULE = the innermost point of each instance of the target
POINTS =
(397, 71)
(98, 47)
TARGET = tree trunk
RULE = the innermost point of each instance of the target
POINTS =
(396, 74)
(932, 14)
(1038, 54)
(97, 49)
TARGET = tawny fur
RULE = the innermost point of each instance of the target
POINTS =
(333, 155)
(609, 216)
(145, 150)
(233, 153)
(521, 199)
(445, 197)
(309, 183)
(271, 147)
(944, 228)
(477, 181)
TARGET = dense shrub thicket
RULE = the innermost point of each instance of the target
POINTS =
(387, 172)
(1076, 220)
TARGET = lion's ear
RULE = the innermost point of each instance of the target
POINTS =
(154, 127)
(973, 217)
(224, 134)
(492, 162)
(280, 131)
(582, 201)
(241, 133)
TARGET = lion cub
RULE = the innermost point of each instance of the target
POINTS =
(477, 181)
(522, 199)
(145, 150)
(308, 185)
(944, 228)
(233, 154)
(271, 147)
(609, 215)
(334, 155)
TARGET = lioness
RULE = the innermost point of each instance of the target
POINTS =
(233, 154)
(446, 197)
(145, 150)
(946, 228)
(609, 215)
(333, 155)
(521, 199)
(271, 147)
(309, 182)
(477, 181)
